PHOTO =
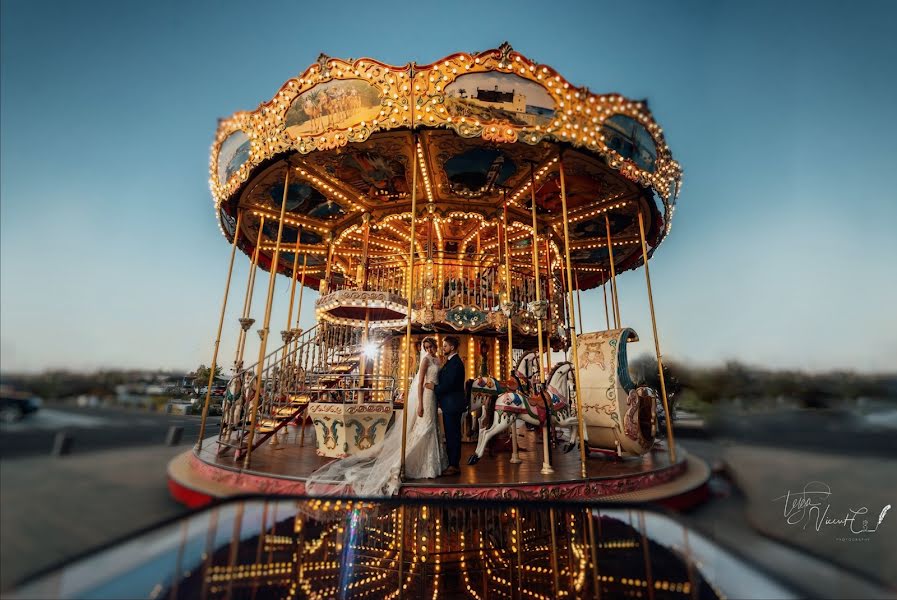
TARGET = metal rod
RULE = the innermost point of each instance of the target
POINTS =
(549, 283)
(272, 270)
(554, 554)
(646, 554)
(593, 550)
(508, 282)
(606, 316)
(405, 383)
(230, 270)
(577, 379)
(578, 299)
(546, 458)
(247, 300)
(663, 387)
(613, 274)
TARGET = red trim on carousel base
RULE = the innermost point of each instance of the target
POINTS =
(196, 483)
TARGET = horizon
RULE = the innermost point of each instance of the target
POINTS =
(110, 257)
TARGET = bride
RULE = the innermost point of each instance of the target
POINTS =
(375, 471)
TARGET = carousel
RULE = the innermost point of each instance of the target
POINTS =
(477, 196)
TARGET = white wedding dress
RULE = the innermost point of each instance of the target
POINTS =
(375, 472)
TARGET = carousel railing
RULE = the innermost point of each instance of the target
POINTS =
(282, 374)
(290, 377)
(442, 284)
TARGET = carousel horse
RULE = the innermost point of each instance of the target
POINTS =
(532, 404)
(619, 417)
(234, 410)
(482, 391)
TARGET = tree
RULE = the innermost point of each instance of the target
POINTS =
(201, 376)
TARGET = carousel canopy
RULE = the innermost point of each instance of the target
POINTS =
(484, 130)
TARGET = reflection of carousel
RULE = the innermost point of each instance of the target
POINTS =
(476, 196)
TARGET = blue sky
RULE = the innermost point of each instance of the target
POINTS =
(781, 113)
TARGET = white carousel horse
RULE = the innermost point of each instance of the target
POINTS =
(482, 391)
(518, 404)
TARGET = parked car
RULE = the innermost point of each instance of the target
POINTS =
(217, 390)
(15, 405)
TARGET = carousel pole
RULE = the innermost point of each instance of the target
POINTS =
(577, 378)
(515, 450)
(286, 334)
(554, 554)
(508, 283)
(405, 383)
(328, 269)
(578, 300)
(245, 324)
(363, 366)
(606, 315)
(613, 274)
(293, 279)
(546, 459)
(272, 270)
(549, 284)
(230, 270)
(663, 387)
(301, 291)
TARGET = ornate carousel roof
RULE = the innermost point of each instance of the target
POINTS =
(482, 128)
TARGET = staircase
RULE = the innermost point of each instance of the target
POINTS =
(303, 368)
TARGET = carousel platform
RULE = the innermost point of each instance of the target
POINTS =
(198, 478)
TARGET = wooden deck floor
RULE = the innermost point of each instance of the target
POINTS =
(289, 460)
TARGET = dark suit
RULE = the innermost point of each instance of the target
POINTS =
(450, 396)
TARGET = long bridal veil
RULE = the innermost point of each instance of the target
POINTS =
(374, 472)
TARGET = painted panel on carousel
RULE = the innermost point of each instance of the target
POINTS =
(233, 153)
(629, 138)
(332, 105)
(303, 199)
(466, 317)
(373, 174)
(489, 97)
(345, 429)
(478, 171)
(619, 416)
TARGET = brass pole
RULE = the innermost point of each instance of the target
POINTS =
(295, 269)
(618, 319)
(301, 291)
(508, 283)
(546, 459)
(401, 536)
(250, 289)
(604, 288)
(554, 554)
(646, 554)
(593, 549)
(364, 286)
(578, 300)
(577, 379)
(405, 383)
(515, 450)
(288, 341)
(549, 281)
(272, 270)
(234, 547)
(230, 270)
(663, 387)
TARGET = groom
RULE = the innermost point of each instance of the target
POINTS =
(450, 397)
